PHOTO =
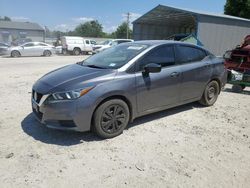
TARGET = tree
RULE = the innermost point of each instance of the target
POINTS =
(5, 18)
(89, 29)
(240, 8)
(121, 31)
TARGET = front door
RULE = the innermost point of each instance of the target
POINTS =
(28, 49)
(156, 90)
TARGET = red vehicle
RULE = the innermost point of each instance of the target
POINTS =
(239, 58)
(237, 62)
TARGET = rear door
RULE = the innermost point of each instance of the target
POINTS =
(157, 90)
(196, 71)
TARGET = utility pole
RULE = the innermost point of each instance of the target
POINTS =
(128, 22)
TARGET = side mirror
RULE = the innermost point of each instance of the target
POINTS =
(152, 68)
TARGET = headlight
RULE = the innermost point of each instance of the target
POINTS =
(69, 95)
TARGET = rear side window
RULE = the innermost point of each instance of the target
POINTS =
(187, 54)
(163, 56)
(42, 44)
(29, 45)
(87, 41)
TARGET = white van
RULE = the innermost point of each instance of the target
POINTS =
(75, 45)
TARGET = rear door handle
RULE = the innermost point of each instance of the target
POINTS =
(175, 74)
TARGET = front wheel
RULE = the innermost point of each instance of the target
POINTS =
(15, 54)
(210, 93)
(47, 53)
(111, 118)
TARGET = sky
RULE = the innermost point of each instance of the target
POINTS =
(65, 15)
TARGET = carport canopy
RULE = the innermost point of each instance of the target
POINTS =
(166, 16)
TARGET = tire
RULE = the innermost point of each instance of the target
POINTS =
(237, 88)
(111, 118)
(210, 93)
(15, 53)
(76, 51)
(47, 53)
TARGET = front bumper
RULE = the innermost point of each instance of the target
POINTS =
(74, 115)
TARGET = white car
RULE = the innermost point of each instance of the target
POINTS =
(109, 43)
(31, 49)
(76, 45)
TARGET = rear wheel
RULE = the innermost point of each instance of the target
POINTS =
(47, 53)
(111, 118)
(15, 53)
(76, 51)
(238, 88)
(210, 93)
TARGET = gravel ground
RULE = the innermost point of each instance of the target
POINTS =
(188, 146)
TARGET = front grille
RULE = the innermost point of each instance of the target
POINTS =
(36, 96)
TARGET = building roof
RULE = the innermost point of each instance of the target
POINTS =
(162, 12)
(20, 25)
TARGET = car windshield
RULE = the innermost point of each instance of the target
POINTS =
(115, 57)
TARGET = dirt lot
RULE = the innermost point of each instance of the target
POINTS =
(188, 146)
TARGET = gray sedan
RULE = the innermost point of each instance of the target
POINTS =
(110, 89)
(31, 49)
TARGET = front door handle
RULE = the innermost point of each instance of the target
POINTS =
(175, 74)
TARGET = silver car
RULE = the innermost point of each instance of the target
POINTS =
(110, 89)
(31, 49)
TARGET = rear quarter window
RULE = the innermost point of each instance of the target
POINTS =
(188, 54)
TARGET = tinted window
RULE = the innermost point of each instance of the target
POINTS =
(187, 54)
(87, 41)
(42, 44)
(163, 56)
(28, 45)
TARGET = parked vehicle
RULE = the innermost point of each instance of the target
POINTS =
(3, 48)
(237, 61)
(110, 89)
(93, 42)
(76, 45)
(31, 49)
(239, 58)
(109, 43)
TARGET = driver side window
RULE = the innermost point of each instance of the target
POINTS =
(163, 56)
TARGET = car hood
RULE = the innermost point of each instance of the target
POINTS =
(72, 77)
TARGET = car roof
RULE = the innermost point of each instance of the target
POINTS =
(161, 42)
